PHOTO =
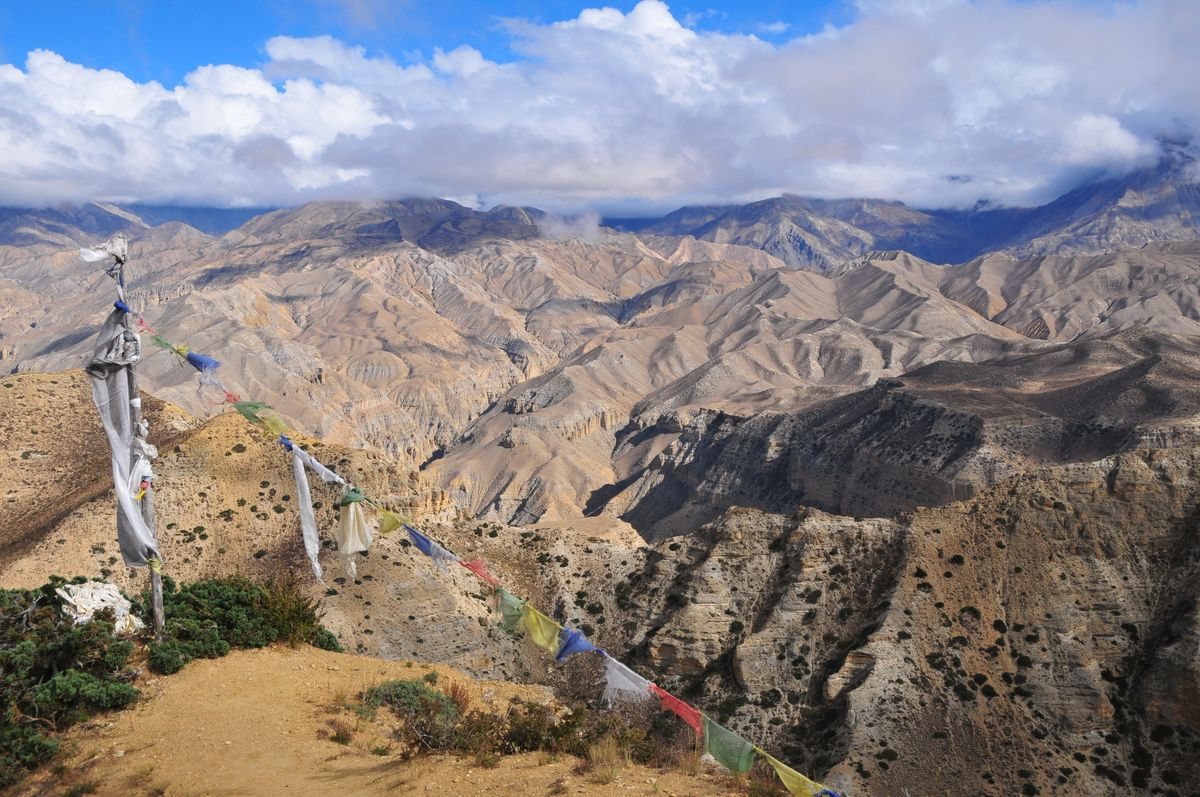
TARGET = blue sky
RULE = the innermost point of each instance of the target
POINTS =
(164, 40)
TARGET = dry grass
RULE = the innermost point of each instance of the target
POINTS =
(606, 760)
(459, 695)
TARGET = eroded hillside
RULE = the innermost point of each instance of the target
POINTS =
(1040, 636)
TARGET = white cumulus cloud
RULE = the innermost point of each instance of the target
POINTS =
(935, 102)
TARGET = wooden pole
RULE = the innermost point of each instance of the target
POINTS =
(147, 505)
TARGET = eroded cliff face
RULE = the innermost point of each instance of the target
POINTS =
(934, 436)
(1040, 638)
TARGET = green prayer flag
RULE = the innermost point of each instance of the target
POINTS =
(542, 630)
(250, 409)
(161, 342)
(352, 497)
(511, 608)
(733, 751)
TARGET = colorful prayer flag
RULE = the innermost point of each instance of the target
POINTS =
(511, 609)
(622, 683)
(685, 712)
(479, 568)
(389, 521)
(727, 747)
(274, 424)
(793, 781)
(542, 630)
(422, 543)
(572, 642)
(352, 496)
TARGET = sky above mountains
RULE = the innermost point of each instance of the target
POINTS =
(628, 109)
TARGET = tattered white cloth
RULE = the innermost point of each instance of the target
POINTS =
(82, 601)
(622, 683)
(354, 536)
(111, 375)
(301, 459)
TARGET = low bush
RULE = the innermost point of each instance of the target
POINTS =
(205, 619)
(53, 673)
(436, 721)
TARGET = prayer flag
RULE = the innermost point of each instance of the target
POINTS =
(681, 709)
(479, 568)
(572, 642)
(732, 750)
(793, 781)
(542, 630)
(423, 543)
(622, 683)
(511, 609)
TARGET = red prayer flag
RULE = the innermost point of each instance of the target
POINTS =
(478, 567)
(685, 712)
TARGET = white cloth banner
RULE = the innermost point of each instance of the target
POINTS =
(308, 520)
(622, 683)
(354, 536)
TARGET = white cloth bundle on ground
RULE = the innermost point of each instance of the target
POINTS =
(82, 601)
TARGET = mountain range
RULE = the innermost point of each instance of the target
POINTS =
(909, 495)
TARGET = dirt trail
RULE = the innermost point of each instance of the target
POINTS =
(257, 722)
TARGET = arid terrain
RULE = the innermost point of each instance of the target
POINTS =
(911, 504)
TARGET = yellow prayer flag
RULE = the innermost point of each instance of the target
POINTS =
(542, 630)
(274, 423)
(389, 521)
(793, 781)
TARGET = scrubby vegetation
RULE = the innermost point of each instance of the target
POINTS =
(53, 674)
(441, 720)
(205, 619)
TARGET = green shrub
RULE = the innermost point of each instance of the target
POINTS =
(53, 673)
(206, 619)
(407, 697)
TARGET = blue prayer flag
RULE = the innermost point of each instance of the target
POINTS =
(573, 642)
(423, 543)
(201, 362)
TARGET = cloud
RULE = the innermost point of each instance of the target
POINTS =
(773, 28)
(632, 111)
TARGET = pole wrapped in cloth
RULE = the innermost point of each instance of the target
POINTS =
(622, 683)
(541, 629)
(110, 371)
(727, 747)
(793, 781)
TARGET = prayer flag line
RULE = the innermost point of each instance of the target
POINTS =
(354, 536)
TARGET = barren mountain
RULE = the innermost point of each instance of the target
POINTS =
(1153, 205)
(645, 400)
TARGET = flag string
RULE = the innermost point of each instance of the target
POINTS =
(727, 747)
